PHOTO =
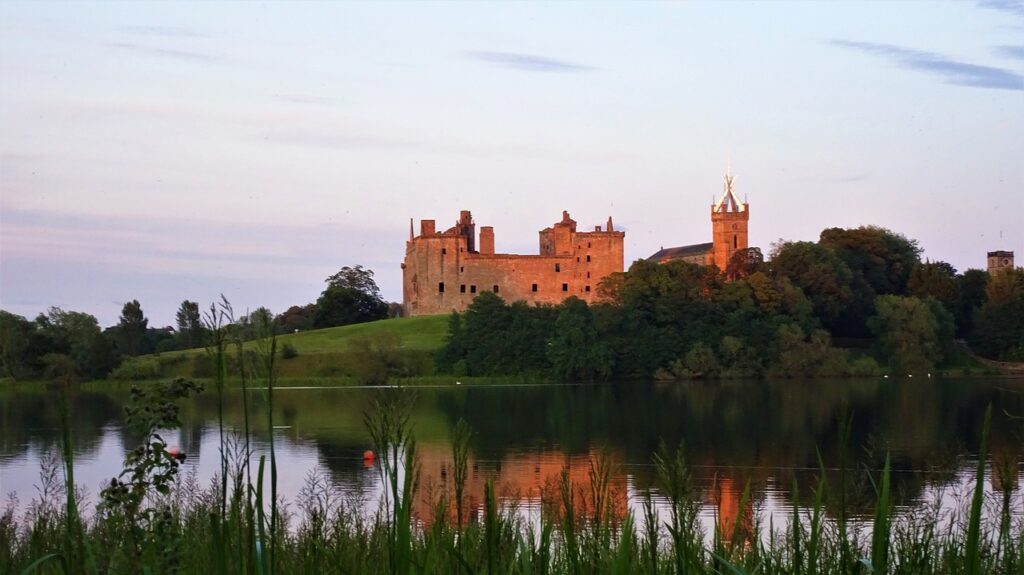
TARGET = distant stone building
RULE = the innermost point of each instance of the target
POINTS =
(444, 271)
(729, 219)
(999, 260)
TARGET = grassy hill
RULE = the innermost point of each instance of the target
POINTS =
(320, 353)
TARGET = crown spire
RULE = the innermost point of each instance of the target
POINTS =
(728, 201)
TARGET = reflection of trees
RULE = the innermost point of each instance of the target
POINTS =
(33, 417)
(767, 431)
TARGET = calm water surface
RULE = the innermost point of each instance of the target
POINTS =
(768, 433)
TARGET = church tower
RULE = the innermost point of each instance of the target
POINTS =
(728, 225)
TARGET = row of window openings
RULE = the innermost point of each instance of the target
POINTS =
(558, 267)
(472, 288)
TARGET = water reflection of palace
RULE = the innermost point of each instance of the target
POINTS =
(527, 479)
(734, 516)
(534, 480)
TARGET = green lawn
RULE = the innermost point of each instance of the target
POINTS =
(322, 353)
(425, 333)
(418, 333)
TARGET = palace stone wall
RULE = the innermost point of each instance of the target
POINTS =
(443, 271)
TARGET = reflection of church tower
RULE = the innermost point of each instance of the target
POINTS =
(729, 225)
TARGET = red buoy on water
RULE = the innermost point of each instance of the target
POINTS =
(368, 455)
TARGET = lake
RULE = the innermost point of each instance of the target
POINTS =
(767, 433)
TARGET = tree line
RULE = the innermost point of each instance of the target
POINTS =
(856, 302)
(61, 342)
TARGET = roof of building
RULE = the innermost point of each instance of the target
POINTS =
(681, 251)
(728, 201)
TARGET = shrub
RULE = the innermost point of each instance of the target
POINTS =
(288, 351)
(864, 367)
(137, 369)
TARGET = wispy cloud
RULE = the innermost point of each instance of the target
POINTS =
(527, 62)
(952, 71)
(172, 53)
(164, 31)
(1015, 7)
(1011, 51)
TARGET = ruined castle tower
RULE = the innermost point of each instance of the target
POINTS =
(999, 261)
(729, 220)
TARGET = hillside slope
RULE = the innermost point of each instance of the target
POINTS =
(320, 353)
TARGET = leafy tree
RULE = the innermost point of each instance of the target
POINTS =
(880, 262)
(936, 280)
(351, 297)
(485, 328)
(745, 262)
(999, 324)
(78, 336)
(575, 351)
(882, 258)
(530, 328)
(131, 329)
(191, 332)
(1004, 286)
(971, 286)
(355, 278)
(296, 318)
(909, 334)
(820, 273)
(801, 356)
(701, 361)
(260, 318)
(454, 349)
(15, 335)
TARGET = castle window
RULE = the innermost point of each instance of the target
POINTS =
(440, 287)
(587, 289)
(534, 287)
(565, 287)
(495, 289)
(588, 258)
(588, 244)
(734, 242)
(577, 259)
(558, 267)
(444, 251)
(472, 289)
(588, 275)
(462, 288)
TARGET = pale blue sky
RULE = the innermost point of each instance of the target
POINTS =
(161, 152)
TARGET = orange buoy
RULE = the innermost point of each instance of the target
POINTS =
(367, 455)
